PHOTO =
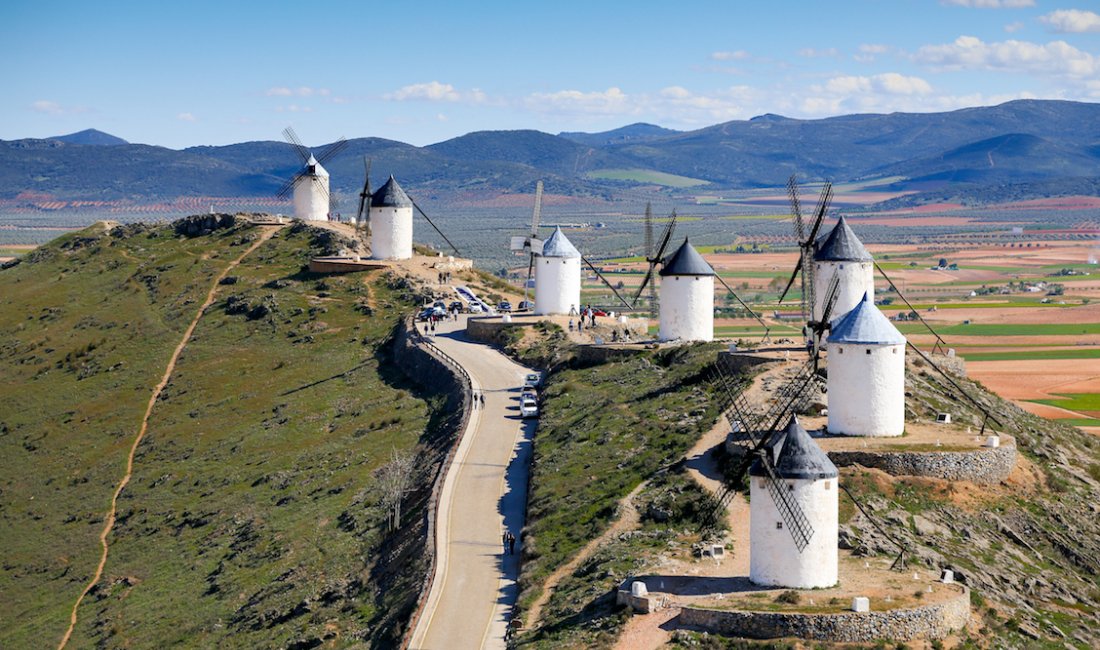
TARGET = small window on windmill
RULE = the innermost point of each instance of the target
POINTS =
(828, 485)
(790, 487)
(893, 350)
(868, 350)
(763, 484)
(779, 525)
(840, 350)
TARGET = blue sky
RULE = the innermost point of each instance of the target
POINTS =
(203, 72)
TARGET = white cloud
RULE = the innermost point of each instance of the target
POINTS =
(46, 106)
(869, 52)
(990, 4)
(301, 91)
(293, 108)
(440, 117)
(186, 117)
(1012, 28)
(50, 107)
(818, 53)
(737, 55)
(1072, 21)
(434, 91)
(890, 83)
(612, 101)
(970, 52)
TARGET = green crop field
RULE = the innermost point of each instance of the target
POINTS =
(1007, 329)
(1080, 402)
(646, 176)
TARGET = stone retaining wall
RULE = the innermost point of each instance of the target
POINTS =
(984, 466)
(487, 328)
(929, 622)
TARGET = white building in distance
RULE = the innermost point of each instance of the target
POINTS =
(809, 479)
(866, 385)
(557, 276)
(391, 221)
(686, 297)
(841, 254)
(311, 198)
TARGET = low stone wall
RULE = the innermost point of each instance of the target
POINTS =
(487, 328)
(929, 622)
(640, 604)
(986, 466)
(343, 265)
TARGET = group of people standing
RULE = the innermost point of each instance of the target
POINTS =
(586, 314)
(444, 277)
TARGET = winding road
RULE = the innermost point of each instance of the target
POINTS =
(484, 494)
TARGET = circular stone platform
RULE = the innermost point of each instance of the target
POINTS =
(945, 451)
(901, 608)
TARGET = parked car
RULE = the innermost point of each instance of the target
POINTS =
(599, 312)
(504, 306)
(475, 308)
(457, 306)
(526, 305)
(528, 407)
(532, 380)
(439, 303)
(429, 312)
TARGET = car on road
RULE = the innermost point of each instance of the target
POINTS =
(532, 380)
(525, 305)
(475, 308)
(504, 306)
(599, 312)
(528, 407)
(429, 312)
(457, 306)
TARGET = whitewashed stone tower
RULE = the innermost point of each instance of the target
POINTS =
(311, 192)
(391, 222)
(687, 297)
(866, 386)
(809, 479)
(841, 254)
(557, 276)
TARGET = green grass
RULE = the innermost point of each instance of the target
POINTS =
(252, 490)
(647, 176)
(1074, 401)
(603, 429)
(1081, 422)
(1021, 355)
(1006, 329)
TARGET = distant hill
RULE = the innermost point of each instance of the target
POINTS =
(637, 132)
(90, 136)
(1027, 141)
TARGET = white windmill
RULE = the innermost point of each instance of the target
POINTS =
(866, 386)
(310, 184)
(686, 310)
(840, 254)
(793, 470)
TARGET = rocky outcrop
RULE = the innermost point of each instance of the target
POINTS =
(203, 224)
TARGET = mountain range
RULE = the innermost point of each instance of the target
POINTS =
(1031, 142)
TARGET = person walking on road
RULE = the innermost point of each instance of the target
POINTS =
(504, 539)
(511, 543)
(482, 398)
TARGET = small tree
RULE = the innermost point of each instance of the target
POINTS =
(396, 479)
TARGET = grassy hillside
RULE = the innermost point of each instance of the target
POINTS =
(1029, 548)
(252, 518)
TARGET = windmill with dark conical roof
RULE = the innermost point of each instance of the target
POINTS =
(840, 254)
(793, 474)
(687, 296)
(391, 221)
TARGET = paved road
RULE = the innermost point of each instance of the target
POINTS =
(483, 495)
